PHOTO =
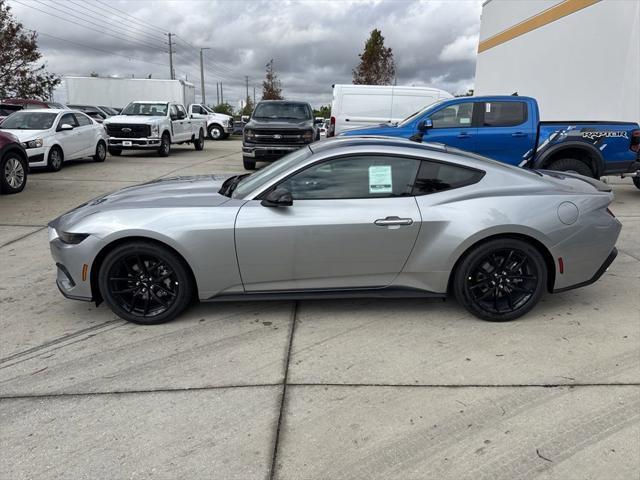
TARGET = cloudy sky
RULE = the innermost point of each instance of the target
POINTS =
(314, 43)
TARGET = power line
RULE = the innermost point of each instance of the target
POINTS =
(223, 68)
(127, 17)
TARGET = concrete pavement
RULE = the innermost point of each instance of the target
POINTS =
(362, 389)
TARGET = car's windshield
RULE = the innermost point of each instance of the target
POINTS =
(148, 109)
(288, 110)
(25, 120)
(419, 113)
(108, 110)
(208, 109)
(264, 175)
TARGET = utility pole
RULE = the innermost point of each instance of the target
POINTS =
(221, 94)
(171, 72)
(204, 101)
(246, 79)
(217, 93)
(254, 94)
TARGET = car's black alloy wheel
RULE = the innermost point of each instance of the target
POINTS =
(501, 280)
(145, 283)
(14, 173)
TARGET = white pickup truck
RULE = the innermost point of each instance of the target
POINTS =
(219, 125)
(153, 126)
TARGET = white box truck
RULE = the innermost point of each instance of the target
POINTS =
(356, 106)
(119, 92)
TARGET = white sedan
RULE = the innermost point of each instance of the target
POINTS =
(52, 136)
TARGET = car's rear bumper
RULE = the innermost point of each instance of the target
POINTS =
(603, 268)
(268, 152)
(134, 143)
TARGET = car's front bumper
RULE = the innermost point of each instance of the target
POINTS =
(267, 151)
(37, 156)
(134, 143)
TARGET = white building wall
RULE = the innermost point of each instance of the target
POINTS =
(584, 66)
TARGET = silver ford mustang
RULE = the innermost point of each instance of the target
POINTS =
(352, 217)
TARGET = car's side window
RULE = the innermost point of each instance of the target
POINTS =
(69, 119)
(437, 176)
(364, 176)
(83, 120)
(197, 109)
(504, 114)
(459, 115)
(173, 112)
(182, 111)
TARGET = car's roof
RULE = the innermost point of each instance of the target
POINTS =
(375, 141)
(45, 110)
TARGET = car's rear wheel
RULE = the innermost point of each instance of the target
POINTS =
(101, 152)
(55, 159)
(636, 181)
(500, 280)
(249, 163)
(145, 283)
(13, 173)
(216, 132)
(571, 165)
(199, 142)
(116, 152)
(165, 145)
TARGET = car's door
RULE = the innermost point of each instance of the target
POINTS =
(177, 133)
(68, 139)
(185, 123)
(86, 135)
(352, 224)
(453, 125)
(506, 131)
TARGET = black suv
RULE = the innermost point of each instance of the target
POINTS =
(277, 127)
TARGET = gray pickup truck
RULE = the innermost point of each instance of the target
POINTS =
(275, 128)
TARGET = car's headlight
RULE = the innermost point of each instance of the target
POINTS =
(249, 134)
(307, 136)
(72, 238)
(37, 143)
(155, 130)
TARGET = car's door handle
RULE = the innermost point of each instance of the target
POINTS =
(464, 135)
(518, 134)
(347, 120)
(391, 221)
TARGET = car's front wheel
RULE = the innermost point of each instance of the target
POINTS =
(248, 163)
(500, 280)
(116, 152)
(216, 132)
(165, 145)
(199, 142)
(13, 173)
(101, 152)
(636, 181)
(145, 283)
(55, 159)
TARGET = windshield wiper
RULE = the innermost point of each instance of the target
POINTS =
(230, 184)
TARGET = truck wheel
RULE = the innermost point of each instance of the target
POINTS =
(165, 145)
(199, 142)
(115, 152)
(101, 152)
(571, 165)
(636, 182)
(216, 132)
(55, 159)
(13, 170)
(249, 163)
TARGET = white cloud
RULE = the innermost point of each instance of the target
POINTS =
(462, 48)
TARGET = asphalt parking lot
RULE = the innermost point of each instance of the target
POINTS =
(359, 389)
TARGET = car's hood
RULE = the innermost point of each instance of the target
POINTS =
(218, 116)
(26, 135)
(177, 192)
(278, 123)
(144, 119)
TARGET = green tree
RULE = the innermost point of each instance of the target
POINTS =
(324, 111)
(271, 87)
(21, 75)
(248, 107)
(377, 66)
(224, 108)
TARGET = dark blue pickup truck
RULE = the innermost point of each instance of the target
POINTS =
(508, 129)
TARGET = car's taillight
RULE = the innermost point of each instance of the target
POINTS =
(635, 141)
(332, 127)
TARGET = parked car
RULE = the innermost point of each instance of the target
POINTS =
(153, 126)
(356, 106)
(219, 125)
(352, 217)
(324, 128)
(14, 166)
(109, 110)
(508, 129)
(238, 127)
(52, 136)
(93, 111)
(275, 128)
(10, 105)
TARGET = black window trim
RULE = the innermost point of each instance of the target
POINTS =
(483, 111)
(64, 115)
(480, 175)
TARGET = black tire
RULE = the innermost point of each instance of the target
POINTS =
(636, 182)
(165, 145)
(216, 132)
(501, 279)
(101, 152)
(225, 136)
(156, 293)
(116, 152)
(572, 165)
(55, 159)
(249, 163)
(13, 173)
(199, 142)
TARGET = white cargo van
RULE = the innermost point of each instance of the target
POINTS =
(356, 106)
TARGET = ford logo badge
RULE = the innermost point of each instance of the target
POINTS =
(277, 136)
(126, 130)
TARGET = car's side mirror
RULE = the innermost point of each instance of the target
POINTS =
(278, 198)
(424, 125)
(65, 126)
(245, 118)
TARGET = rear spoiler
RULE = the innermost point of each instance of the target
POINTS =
(597, 184)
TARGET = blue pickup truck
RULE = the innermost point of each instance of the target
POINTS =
(508, 129)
